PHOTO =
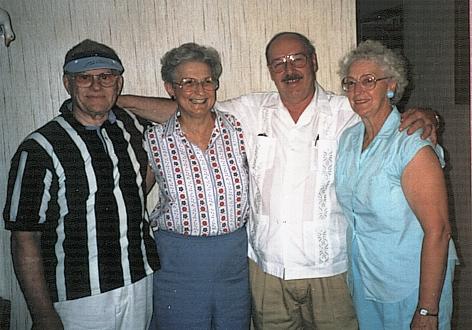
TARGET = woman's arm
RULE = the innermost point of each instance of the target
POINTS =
(425, 189)
(156, 109)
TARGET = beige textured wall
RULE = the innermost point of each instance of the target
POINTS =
(141, 31)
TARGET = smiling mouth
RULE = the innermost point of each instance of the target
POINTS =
(292, 79)
(361, 101)
(198, 101)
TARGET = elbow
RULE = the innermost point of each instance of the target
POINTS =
(440, 233)
(6, 30)
(445, 232)
(24, 245)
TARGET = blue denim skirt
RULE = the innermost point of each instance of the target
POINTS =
(203, 282)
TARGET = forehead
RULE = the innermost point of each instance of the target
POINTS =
(96, 71)
(286, 45)
(361, 67)
(193, 69)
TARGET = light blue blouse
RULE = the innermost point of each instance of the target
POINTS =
(368, 187)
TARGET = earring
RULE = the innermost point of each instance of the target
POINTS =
(390, 94)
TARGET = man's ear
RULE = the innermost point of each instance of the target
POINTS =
(121, 82)
(66, 82)
(315, 62)
(170, 89)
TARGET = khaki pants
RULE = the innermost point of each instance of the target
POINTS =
(316, 303)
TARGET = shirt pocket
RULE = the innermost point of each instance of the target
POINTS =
(264, 154)
(259, 233)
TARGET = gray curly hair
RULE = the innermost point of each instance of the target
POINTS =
(392, 63)
(190, 52)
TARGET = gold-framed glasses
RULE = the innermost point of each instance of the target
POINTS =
(279, 64)
(106, 79)
(367, 81)
(191, 84)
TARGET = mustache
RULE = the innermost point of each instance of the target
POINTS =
(293, 76)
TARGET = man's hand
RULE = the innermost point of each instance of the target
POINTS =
(421, 118)
(50, 321)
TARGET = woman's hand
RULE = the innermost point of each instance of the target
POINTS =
(424, 322)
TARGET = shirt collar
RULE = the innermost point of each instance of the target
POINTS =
(390, 124)
(66, 111)
(172, 126)
(319, 102)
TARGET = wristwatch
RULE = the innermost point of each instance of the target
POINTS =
(438, 120)
(424, 312)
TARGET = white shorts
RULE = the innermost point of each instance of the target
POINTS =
(129, 307)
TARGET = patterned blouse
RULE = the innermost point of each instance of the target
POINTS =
(201, 193)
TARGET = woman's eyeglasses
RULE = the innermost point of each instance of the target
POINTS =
(191, 84)
(367, 81)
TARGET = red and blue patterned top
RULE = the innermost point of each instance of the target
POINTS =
(201, 193)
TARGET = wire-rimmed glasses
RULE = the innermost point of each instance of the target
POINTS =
(106, 79)
(367, 81)
(191, 84)
(279, 64)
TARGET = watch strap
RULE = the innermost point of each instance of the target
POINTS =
(424, 312)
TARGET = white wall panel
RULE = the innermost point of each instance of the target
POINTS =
(141, 31)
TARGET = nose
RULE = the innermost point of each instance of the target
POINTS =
(288, 66)
(199, 87)
(358, 87)
(96, 82)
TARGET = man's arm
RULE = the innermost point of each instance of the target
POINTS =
(156, 109)
(28, 265)
(150, 179)
(421, 118)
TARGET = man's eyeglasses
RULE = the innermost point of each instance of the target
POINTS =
(190, 84)
(367, 81)
(296, 60)
(104, 79)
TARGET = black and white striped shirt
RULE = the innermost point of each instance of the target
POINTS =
(85, 191)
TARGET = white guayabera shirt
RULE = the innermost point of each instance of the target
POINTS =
(297, 229)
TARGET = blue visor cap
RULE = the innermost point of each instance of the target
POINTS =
(92, 63)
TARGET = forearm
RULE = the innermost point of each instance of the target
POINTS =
(28, 265)
(433, 264)
(157, 109)
(150, 179)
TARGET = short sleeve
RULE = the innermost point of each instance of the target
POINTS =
(29, 189)
(412, 144)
